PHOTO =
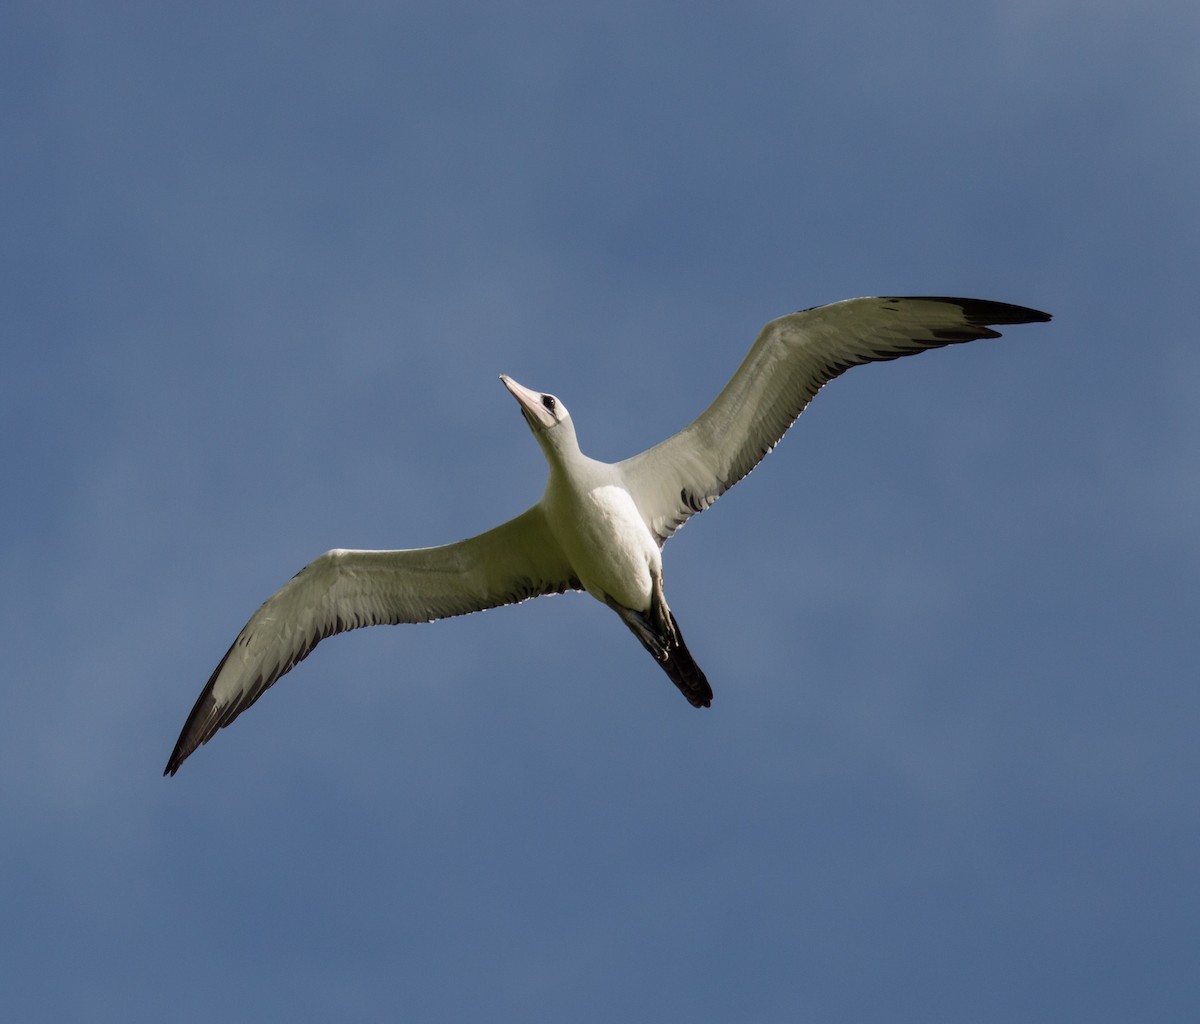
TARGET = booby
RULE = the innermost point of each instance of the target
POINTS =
(598, 527)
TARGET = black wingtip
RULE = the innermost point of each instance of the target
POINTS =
(199, 727)
(987, 311)
(180, 754)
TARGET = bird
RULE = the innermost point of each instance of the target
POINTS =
(598, 527)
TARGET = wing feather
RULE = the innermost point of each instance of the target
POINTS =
(793, 358)
(344, 590)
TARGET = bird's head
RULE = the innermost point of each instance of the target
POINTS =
(546, 415)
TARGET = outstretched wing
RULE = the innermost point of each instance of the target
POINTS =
(793, 358)
(345, 590)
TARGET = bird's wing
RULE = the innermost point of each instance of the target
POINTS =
(792, 359)
(345, 590)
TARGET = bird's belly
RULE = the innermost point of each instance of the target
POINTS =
(610, 548)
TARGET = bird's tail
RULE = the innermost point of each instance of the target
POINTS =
(657, 631)
(684, 672)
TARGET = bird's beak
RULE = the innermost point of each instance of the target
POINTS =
(531, 403)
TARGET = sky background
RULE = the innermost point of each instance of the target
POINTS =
(262, 264)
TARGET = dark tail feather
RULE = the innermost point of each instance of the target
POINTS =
(684, 672)
(659, 633)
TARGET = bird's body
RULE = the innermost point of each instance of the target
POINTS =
(606, 541)
(595, 521)
(599, 526)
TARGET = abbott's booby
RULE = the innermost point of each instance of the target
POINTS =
(599, 526)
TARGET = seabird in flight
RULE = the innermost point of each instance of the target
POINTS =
(598, 526)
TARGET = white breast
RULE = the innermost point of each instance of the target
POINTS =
(610, 548)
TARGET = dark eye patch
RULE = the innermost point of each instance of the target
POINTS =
(548, 402)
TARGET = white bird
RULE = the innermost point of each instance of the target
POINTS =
(598, 526)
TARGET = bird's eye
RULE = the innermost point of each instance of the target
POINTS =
(548, 402)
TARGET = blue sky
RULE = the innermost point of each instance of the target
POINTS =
(262, 266)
